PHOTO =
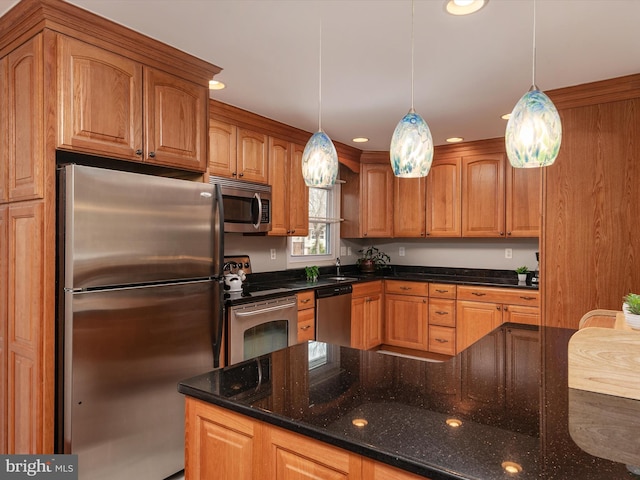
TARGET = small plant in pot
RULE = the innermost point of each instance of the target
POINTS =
(312, 273)
(631, 309)
(522, 273)
(372, 259)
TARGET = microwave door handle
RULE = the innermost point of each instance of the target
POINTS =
(256, 223)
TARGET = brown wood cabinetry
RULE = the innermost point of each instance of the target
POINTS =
(483, 195)
(4, 132)
(289, 194)
(444, 197)
(4, 280)
(366, 315)
(409, 207)
(114, 106)
(372, 470)
(482, 309)
(306, 316)
(442, 318)
(252, 156)
(407, 314)
(523, 197)
(223, 138)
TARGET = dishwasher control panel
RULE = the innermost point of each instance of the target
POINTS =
(333, 290)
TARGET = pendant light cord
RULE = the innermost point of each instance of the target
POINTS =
(320, 82)
(412, 55)
(533, 80)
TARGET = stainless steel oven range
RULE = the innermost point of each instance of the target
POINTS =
(261, 326)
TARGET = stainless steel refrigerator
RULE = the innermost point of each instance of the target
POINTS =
(140, 308)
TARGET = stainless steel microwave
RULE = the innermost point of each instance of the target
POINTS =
(246, 205)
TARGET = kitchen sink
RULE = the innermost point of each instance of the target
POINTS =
(343, 279)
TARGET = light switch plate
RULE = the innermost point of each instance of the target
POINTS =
(508, 253)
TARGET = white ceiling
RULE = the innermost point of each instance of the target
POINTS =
(468, 70)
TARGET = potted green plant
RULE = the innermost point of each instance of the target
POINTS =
(372, 259)
(312, 273)
(522, 273)
(631, 309)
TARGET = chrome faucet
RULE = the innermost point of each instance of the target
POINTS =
(338, 266)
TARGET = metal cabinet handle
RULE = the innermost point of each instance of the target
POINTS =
(478, 294)
(405, 288)
(242, 174)
(498, 307)
(441, 291)
(152, 154)
(234, 174)
(440, 312)
(138, 152)
(528, 298)
(442, 340)
(305, 327)
(506, 308)
(306, 300)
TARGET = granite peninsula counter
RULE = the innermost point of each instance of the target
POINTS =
(508, 390)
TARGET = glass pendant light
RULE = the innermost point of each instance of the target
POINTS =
(534, 130)
(319, 158)
(411, 151)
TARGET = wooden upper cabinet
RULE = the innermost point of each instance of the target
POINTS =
(100, 101)
(409, 213)
(444, 197)
(483, 195)
(176, 121)
(279, 179)
(24, 112)
(251, 156)
(222, 148)
(4, 134)
(523, 201)
(377, 200)
(113, 106)
(298, 193)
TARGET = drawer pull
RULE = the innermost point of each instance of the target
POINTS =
(440, 312)
(478, 294)
(528, 298)
(441, 291)
(405, 288)
(441, 340)
(305, 327)
(306, 300)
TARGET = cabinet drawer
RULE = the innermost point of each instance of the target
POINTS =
(306, 299)
(442, 340)
(442, 312)
(306, 325)
(442, 290)
(407, 288)
(366, 288)
(511, 296)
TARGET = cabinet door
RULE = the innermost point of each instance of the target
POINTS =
(373, 332)
(406, 321)
(230, 436)
(279, 181)
(298, 194)
(483, 195)
(306, 325)
(100, 101)
(372, 470)
(4, 273)
(4, 134)
(358, 319)
(25, 315)
(377, 200)
(409, 212)
(521, 314)
(222, 149)
(474, 320)
(176, 120)
(444, 197)
(294, 457)
(523, 207)
(25, 117)
(252, 156)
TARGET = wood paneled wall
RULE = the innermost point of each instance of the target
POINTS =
(590, 244)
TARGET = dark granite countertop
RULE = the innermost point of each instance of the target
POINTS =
(509, 390)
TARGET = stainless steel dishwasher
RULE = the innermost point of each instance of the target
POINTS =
(333, 314)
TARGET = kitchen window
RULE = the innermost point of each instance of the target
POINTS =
(320, 245)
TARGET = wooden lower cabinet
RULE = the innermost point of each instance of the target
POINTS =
(474, 321)
(407, 321)
(521, 314)
(306, 316)
(3, 326)
(366, 315)
(226, 445)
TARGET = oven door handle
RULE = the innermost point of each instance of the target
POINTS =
(282, 306)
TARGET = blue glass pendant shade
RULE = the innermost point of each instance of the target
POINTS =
(319, 161)
(534, 131)
(411, 149)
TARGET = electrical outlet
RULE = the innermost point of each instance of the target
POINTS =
(401, 251)
(273, 254)
(343, 251)
(508, 253)
(349, 251)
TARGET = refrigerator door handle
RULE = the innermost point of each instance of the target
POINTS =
(218, 239)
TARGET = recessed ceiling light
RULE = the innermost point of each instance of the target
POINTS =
(512, 467)
(506, 116)
(454, 422)
(216, 85)
(360, 140)
(454, 139)
(464, 7)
